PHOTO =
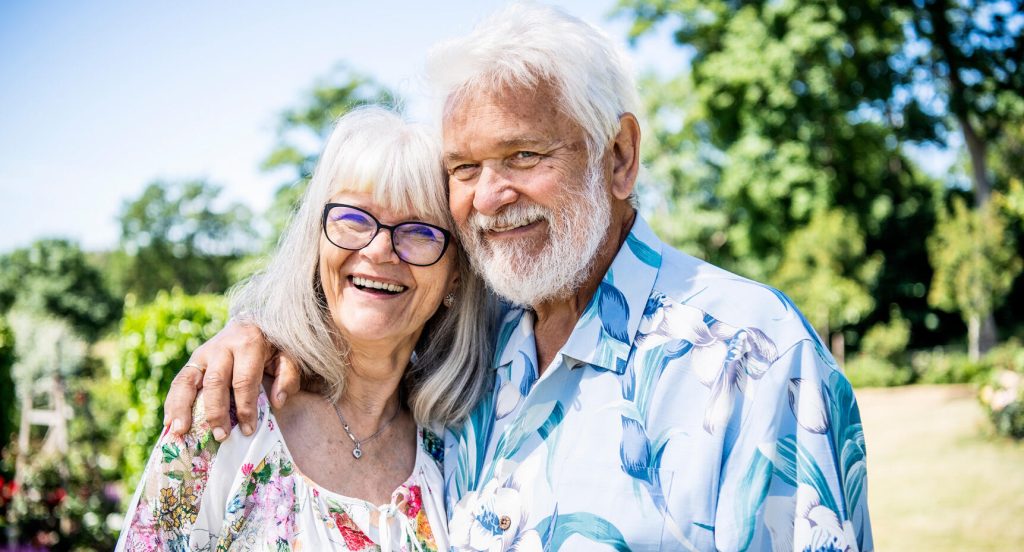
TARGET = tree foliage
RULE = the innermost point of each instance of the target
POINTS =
(968, 56)
(975, 263)
(788, 110)
(156, 341)
(53, 277)
(303, 130)
(175, 235)
(826, 273)
(8, 400)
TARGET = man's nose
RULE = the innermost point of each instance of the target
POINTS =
(380, 249)
(493, 191)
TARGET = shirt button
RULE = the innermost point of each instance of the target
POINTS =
(504, 523)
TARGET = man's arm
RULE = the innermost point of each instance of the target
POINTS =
(796, 477)
(234, 360)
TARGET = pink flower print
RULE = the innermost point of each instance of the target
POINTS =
(413, 501)
(277, 499)
(247, 469)
(200, 465)
(354, 538)
(270, 424)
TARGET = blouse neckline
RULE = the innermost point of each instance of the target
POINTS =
(325, 492)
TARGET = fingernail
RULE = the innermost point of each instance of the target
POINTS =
(219, 434)
(177, 426)
(281, 397)
(247, 429)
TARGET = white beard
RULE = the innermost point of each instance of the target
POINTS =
(564, 262)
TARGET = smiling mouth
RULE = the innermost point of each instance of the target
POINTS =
(374, 286)
(513, 226)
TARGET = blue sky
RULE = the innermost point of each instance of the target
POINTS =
(99, 98)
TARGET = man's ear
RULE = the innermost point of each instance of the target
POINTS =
(625, 152)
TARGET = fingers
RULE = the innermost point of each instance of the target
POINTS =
(217, 393)
(246, 378)
(181, 397)
(233, 361)
(287, 381)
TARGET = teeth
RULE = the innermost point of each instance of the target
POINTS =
(514, 225)
(364, 282)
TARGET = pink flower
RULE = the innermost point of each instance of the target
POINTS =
(247, 469)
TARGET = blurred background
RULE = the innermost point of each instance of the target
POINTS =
(866, 157)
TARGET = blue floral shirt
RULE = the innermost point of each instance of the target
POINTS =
(690, 409)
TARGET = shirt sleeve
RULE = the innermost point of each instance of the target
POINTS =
(166, 503)
(795, 478)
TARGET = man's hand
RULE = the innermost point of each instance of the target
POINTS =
(234, 360)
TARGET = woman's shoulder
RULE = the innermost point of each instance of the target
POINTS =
(201, 423)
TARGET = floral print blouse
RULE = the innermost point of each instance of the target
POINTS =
(247, 494)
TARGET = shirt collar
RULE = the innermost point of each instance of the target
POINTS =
(603, 336)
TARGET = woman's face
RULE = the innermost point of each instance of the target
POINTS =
(365, 314)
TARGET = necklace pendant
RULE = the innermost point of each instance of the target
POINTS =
(357, 452)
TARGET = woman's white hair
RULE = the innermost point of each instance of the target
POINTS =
(374, 150)
(527, 44)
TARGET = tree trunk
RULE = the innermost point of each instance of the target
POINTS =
(973, 333)
(987, 336)
(839, 348)
(976, 149)
(984, 332)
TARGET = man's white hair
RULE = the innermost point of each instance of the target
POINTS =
(526, 44)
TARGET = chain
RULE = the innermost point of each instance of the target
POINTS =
(358, 451)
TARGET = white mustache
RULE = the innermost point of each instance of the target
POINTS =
(513, 216)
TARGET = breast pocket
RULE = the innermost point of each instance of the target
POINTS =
(601, 507)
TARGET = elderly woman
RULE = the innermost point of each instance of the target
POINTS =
(367, 291)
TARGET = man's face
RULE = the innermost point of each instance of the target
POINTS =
(530, 207)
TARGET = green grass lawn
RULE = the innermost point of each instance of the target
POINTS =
(938, 479)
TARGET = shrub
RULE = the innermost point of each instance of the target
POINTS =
(938, 366)
(880, 362)
(71, 500)
(867, 371)
(7, 395)
(1003, 395)
(156, 340)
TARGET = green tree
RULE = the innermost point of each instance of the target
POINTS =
(156, 341)
(975, 264)
(825, 271)
(967, 55)
(175, 235)
(303, 130)
(788, 110)
(54, 277)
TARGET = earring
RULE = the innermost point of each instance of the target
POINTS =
(449, 300)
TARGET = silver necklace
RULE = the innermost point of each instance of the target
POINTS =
(358, 451)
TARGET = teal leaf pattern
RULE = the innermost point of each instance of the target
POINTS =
(754, 490)
(589, 526)
(643, 252)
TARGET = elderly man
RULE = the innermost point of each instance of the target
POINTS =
(643, 399)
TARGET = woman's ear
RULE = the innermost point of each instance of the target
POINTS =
(453, 283)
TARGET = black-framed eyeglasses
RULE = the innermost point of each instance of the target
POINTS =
(352, 228)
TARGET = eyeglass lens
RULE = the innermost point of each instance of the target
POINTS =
(415, 243)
